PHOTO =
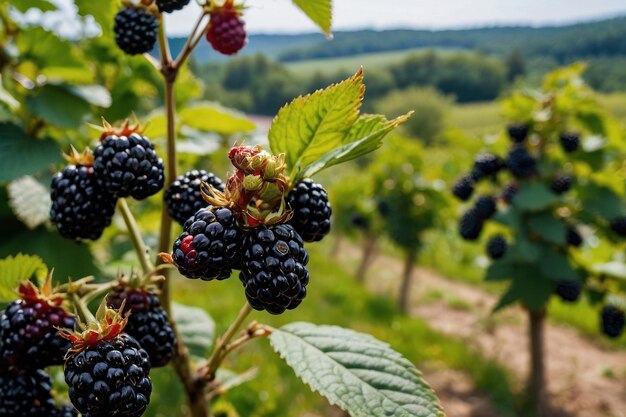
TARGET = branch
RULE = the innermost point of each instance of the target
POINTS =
(192, 41)
(135, 235)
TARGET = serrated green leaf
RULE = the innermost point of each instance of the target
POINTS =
(30, 201)
(22, 155)
(500, 270)
(58, 105)
(43, 5)
(212, 117)
(548, 227)
(355, 371)
(311, 126)
(601, 201)
(48, 51)
(556, 266)
(530, 287)
(92, 94)
(534, 196)
(319, 11)
(14, 269)
(523, 251)
(195, 327)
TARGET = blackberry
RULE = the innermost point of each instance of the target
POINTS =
(570, 141)
(521, 163)
(618, 225)
(210, 245)
(463, 188)
(486, 165)
(148, 323)
(136, 30)
(183, 197)
(227, 32)
(573, 237)
(274, 270)
(612, 321)
(110, 378)
(168, 6)
(383, 208)
(561, 184)
(518, 132)
(26, 393)
(65, 411)
(509, 192)
(485, 207)
(311, 210)
(28, 330)
(360, 222)
(568, 290)
(128, 166)
(470, 225)
(80, 209)
(496, 247)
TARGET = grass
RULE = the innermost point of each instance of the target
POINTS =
(477, 119)
(333, 298)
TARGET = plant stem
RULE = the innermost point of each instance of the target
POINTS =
(135, 236)
(192, 42)
(82, 310)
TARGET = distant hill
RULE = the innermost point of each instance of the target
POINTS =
(603, 38)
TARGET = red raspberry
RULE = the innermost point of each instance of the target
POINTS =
(227, 33)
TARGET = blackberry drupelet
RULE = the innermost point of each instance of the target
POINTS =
(486, 165)
(518, 132)
(570, 141)
(183, 197)
(136, 30)
(612, 321)
(168, 6)
(568, 290)
(128, 166)
(110, 378)
(311, 210)
(470, 225)
(210, 245)
(148, 322)
(561, 184)
(26, 393)
(521, 163)
(573, 237)
(81, 209)
(274, 270)
(485, 207)
(463, 188)
(496, 247)
(227, 32)
(618, 225)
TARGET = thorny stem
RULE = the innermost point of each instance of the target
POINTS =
(135, 235)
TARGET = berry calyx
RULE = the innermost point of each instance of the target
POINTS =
(136, 30)
(227, 32)
(311, 210)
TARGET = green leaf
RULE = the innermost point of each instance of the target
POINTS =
(30, 201)
(43, 5)
(23, 155)
(212, 117)
(601, 201)
(319, 11)
(548, 227)
(355, 371)
(523, 251)
(229, 379)
(311, 126)
(14, 270)
(92, 94)
(530, 287)
(58, 105)
(365, 136)
(556, 266)
(534, 196)
(102, 12)
(500, 270)
(195, 327)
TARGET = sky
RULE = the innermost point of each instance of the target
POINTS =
(281, 16)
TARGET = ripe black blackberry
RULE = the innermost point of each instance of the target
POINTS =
(274, 270)
(561, 183)
(26, 393)
(463, 188)
(28, 329)
(570, 141)
(496, 247)
(183, 197)
(109, 377)
(509, 192)
(360, 222)
(518, 132)
(127, 165)
(485, 207)
(470, 225)
(612, 321)
(148, 322)
(618, 225)
(311, 210)
(65, 411)
(568, 290)
(136, 30)
(168, 6)
(210, 245)
(573, 237)
(81, 208)
(486, 165)
(521, 163)
(227, 32)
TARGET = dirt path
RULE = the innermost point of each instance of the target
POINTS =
(585, 379)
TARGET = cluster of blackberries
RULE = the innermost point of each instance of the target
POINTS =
(84, 193)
